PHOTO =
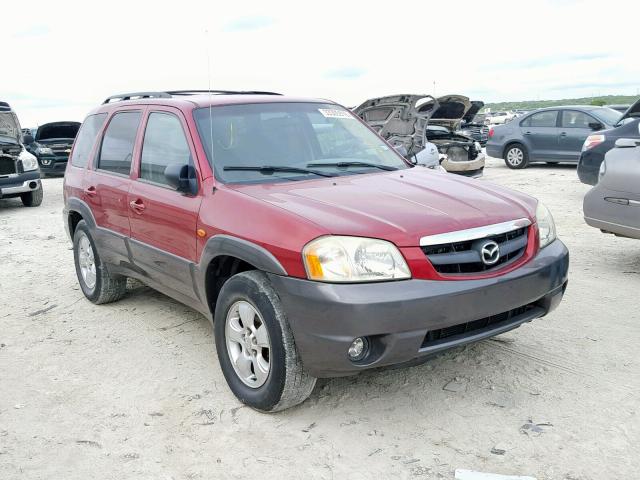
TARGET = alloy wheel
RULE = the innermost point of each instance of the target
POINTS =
(248, 344)
(86, 261)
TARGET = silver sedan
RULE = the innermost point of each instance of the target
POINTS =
(613, 205)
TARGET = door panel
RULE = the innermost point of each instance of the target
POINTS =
(540, 134)
(574, 130)
(163, 221)
(106, 195)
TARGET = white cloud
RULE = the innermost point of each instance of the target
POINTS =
(70, 56)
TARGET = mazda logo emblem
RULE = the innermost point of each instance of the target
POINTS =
(490, 253)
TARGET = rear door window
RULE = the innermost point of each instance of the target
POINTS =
(117, 145)
(164, 144)
(86, 138)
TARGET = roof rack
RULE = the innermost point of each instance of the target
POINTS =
(221, 92)
(135, 96)
(171, 93)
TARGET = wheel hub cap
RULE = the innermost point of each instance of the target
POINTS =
(248, 344)
(86, 261)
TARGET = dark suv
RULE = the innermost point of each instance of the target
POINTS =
(52, 145)
(314, 247)
(19, 172)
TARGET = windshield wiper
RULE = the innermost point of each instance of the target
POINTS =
(352, 164)
(270, 169)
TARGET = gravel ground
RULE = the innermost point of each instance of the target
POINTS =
(134, 390)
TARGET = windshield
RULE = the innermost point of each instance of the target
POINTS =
(9, 129)
(607, 115)
(325, 138)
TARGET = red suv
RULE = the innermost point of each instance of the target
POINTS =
(314, 248)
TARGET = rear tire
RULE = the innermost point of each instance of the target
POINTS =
(255, 346)
(32, 198)
(97, 284)
(516, 156)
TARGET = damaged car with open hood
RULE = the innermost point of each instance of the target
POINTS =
(412, 122)
(52, 145)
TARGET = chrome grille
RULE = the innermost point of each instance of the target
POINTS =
(461, 252)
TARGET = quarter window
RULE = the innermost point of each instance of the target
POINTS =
(574, 119)
(542, 119)
(86, 138)
(164, 144)
(118, 142)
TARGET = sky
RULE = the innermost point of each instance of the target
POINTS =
(62, 58)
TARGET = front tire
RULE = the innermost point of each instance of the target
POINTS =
(516, 156)
(32, 198)
(97, 284)
(255, 346)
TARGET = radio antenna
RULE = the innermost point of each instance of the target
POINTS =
(206, 33)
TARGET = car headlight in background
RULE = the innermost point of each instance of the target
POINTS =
(44, 151)
(593, 141)
(353, 259)
(29, 162)
(546, 225)
(602, 171)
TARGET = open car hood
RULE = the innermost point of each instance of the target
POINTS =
(399, 119)
(9, 126)
(57, 130)
(449, 110)
(476, 105)
(632, 112)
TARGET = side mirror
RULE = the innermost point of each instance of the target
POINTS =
(596, 126)
(27, 139)
(401, 149)
(627, 143)
(182, 178)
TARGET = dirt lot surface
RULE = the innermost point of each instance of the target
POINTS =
(134, 390)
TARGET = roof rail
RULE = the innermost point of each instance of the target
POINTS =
(136, 96)
(220, 92)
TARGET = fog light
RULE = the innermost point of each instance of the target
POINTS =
(46, 161)
(358, 349)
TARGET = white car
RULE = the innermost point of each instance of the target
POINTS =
(499, 118)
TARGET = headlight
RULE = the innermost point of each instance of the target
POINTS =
(353, 259)
(29, 162)
(602, 171)
(44, 151)
(546, 225)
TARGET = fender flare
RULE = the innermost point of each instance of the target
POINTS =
(227, 245)
(76, 205)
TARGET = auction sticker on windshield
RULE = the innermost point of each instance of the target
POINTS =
(334, 113)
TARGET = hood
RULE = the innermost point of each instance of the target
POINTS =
(632, 112)
(57, 130)
(9, 126)
(449, 111)
(398, 119)
(476, 105)
(400, 206)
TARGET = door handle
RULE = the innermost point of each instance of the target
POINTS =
(527, 133)
(563, 134)
(91, 191)
(137, 206)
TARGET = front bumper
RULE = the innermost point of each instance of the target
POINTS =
(12, 186)
(397, 316)
(473, 168)
(53, 164)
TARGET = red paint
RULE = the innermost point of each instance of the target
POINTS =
(400, 206)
